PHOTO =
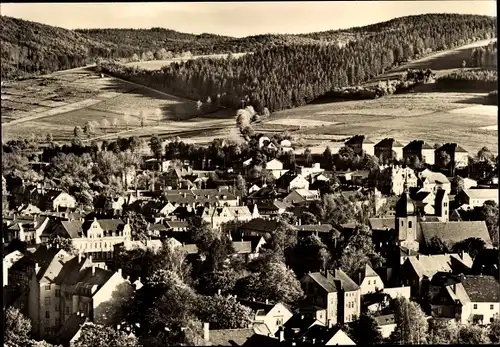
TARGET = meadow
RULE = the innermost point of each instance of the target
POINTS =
(158, 64)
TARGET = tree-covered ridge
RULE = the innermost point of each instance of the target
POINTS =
(289, 76)
(30, 47)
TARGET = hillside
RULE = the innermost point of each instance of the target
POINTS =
(32, 48)
(29, 47)
(292, 75)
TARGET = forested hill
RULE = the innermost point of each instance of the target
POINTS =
(29, 47)
(288, 76)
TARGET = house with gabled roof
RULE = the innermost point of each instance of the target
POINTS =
(273, 315)
(419, 149)
(458, 155)
(369, 281)
(360, 143)
(432, 181)
(471, 198)
(418, 271)
(386, 324)
(292, 180)
(26, 229)
(334, 291)
(299, 196)
(326, 336)
(54, 200)
(298, 325)
(474, 300)
(389, 149)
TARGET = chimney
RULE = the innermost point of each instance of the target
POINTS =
(282, 335)
(267, 301)
(301, 316)
(93, 269)
(418, 256)
(206, 332)
(79, 257)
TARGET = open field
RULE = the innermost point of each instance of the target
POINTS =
(442, 63)
(158, 64)
(58, 102)
(433, 117)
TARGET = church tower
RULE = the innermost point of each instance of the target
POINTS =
(406, 220)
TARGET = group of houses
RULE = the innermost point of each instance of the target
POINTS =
(60, 291)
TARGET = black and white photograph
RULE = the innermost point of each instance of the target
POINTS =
(248, 174)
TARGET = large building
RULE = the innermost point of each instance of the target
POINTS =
(419, 149)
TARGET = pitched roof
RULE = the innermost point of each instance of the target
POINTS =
(98, 278)
(451, 147)
(454, 232)
(434, 177)
(242, 247)
(230, 337)
(321, 334)
(73, 228)
(300, 322)
(389, 142)
(429, 265)
(176, 224)
(331, 282)
(70, 328)
(488, 194)
(385, 319)
(260, 225)
(482, 288)
(320, 228)
(382, 223)
(417, 145)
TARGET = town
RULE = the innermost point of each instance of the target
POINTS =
(250, 174)
(253, 242)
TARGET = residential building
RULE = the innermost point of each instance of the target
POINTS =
(334, 291)
(471, 198)
(369, 281)
(418, 271)
(474, 300)
(54, 200)
(300, 196)
(27, 229)
(419, 149)
(432, 181)
(298, 325)
(326, 336)
(458, 155)
(274, 316)
(292, 180)
(307, 172)
(389, 149)
(396, 178)
(276, 168)
(92, 237)
(8, 261)
(359, 144)
(272, 208)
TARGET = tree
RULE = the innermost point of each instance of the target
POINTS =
(457, 184)
(50, 138)
(494, 332)
(142, 117)
(62, 243)
(266, 113)
(444, 159)
(242, 118)
(89, 128)
(437, 246)
(156, 147)
(365, 330)
(78, 132)
(223, 312)
(276, 282)
(473, 246)
(210, 282)
(489, 213)
(442, 332)
(93, 335)
(411, 323)
(241, 185)
(158, 116)
(17, 328)
(308, 156)
(473, 335)
(138, 223)
(310, 254)
(283, 238)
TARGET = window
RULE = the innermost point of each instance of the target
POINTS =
(58, 293)
(47, 287)
(58, 307)
(374, 281)
(491, 307)
(46, 330)
(402, 223)
(47, 301)
(475, 306)
(491, 320)
(47, 314)
(368, 281)
(409, 224)
(279, 321)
